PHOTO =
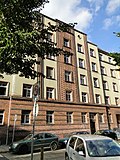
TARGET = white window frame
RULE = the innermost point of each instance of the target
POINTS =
(69, 96)
(116, 101)
(50, 72)
(50, 93)
(66, 43)
(84, 97)
(50, 56)
(107, 99)
(101, 118)
(92, 52)
(25, 117)
(2, 117)
(105, 85)
(4, 88)
(84, 117)
(67, 59)
(68, 76)
(97, 98)
(100, 57)
(81, 63)
(50, 117)
(83, 79)
(70, 117)
(79, 48)
(103, 70)
(94, 67)
(96, 82)
(115, 89)
(27, 90)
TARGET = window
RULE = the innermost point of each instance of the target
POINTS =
(50, 117)
(112, 73)
(94, 67)
(103, 70)
(50, 56)
(105, 85)
(97, 96)
(27, 90)
(3, 88)
(101, 118)
(25, 117)
(84, 97)
(109, 59)
(81, 63)
(68, 76)
(79, 47)
(50, 93)
(107, 101)
(69, 117)
(66, 42)
(100, 57)
(110, 118)
(72, 142)
(84, 117)
(67, 59)
(115, 87)
(82, 79)
(50, 72)
(116, 101)
(1, 117)
(50, 37)
(92, 53)
(68, 96)
(96, 82)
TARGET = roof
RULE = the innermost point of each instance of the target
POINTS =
(91, 137)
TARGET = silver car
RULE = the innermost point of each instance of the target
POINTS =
(92, 147)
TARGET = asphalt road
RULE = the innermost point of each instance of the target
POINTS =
(48, 155)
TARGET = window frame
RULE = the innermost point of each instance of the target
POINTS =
(69, 96)
(2, 117)
(50, 117)
(25, 117)
(4, 86)
(84, 97)
(69, 117)
(50, 93)
(27, 90)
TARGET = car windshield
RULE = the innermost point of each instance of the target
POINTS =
(28, 137)
(102, 148)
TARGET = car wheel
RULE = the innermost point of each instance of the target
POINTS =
(53, 146)
(23, 149)
(66, 157)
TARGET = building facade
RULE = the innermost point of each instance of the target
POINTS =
(79, 91)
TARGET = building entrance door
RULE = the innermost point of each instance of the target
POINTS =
(92, 123)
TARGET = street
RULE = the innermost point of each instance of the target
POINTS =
(48, 155)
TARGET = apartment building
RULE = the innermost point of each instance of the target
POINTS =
(79, 91)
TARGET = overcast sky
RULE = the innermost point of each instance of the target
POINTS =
(97, 18)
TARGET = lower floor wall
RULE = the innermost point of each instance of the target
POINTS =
(17, 117)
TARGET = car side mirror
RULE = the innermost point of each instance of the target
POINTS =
(81, 153)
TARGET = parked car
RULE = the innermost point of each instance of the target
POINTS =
(92, 147)
(117, 131)
(63, 141)
(108, 133)
(40, 140)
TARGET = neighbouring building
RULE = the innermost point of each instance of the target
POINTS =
(80, 91)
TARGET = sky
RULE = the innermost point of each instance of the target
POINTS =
(99, 19)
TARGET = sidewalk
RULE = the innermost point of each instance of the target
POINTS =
(4, 148)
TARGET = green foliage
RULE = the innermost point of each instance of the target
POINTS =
(20, 40)
(116, 57)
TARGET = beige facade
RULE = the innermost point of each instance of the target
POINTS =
(78, 92)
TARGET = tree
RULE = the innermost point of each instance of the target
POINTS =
(116, 55)
(20, 39)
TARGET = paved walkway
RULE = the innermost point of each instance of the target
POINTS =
(4, 148)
